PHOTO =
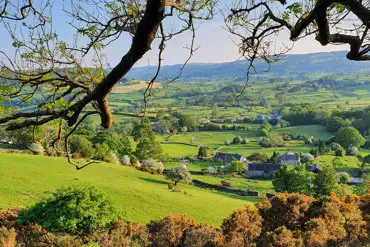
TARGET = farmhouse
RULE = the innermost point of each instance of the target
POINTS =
(262, 170)
(228, 158)
(289, 159)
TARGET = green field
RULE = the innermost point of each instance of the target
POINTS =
(175, 146)
(139, 196)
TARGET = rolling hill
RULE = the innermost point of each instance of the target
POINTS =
(293, 66)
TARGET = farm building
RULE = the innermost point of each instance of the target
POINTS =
(289, 159)
(228, 158)
(262, 170)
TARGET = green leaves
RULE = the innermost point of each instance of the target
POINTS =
(295, 8)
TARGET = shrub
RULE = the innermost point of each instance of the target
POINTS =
(242, 227)
(237, 140)
(308, 158)
(169, 231)
(36, 148)
(70, 209)
(225, 183)
(272, 140)
(237, 166)
(151, 165)
(76, 156)
(226, 142)
(352, 151)
(339, 151)
(126, 161)
(7, 237)
(178, 174)
(344, 177)
(82, 145)
(129, 234)
(245, 141)
(134, 161)
(203, 151)
(103, 152)
(113, 158)
(203, 235)
(256, 156)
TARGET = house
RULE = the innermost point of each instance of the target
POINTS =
(315, 168)
(228, 158)
(355, 181)
(274, 117)
(265, 170)
(289, 159)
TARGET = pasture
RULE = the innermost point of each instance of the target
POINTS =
(139, 196)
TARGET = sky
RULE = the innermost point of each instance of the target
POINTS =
(215, 44)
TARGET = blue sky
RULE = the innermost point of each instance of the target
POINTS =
(215, 43)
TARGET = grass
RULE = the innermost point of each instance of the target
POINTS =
(140, 196)
(240, 182)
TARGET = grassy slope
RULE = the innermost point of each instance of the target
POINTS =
(140, 196)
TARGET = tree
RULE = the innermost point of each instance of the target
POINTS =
(178, 174)
(117, 143)
(242, 227)
(74, 87)
(258, 23)
(335, 123)
(272, 140)
(148, 149)
(237, 140)
(349, 137)
(293, 179)
(325, 182)
(203, 151)
(237, 166)
(82, 145)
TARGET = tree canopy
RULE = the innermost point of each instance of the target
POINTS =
(67, 80)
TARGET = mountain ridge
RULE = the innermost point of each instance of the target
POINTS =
(292, 65)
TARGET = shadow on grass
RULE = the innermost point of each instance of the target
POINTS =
(151, 180)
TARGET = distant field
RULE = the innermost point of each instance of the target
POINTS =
(215, 140)
(134, 88)
(140, 196)
(317, 131)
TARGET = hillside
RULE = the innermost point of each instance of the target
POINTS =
(139, 196)
(292, 66)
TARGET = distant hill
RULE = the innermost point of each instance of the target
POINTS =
(291, 66)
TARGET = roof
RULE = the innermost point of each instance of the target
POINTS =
(288, 156)
(227, 158)
(315, 167)
(268, 167)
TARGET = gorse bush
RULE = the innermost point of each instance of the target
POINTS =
(284, 220)
(70, 209)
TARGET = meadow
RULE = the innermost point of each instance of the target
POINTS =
(139, 196)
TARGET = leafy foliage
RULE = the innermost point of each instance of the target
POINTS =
(293, 179)
(349, 136)
(178, 174)
(71, 209)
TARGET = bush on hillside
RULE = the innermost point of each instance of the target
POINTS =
(242, 227)
(307, 158)
(36, 148)
(103, 152)
(152, 166)
(126, 161)
(237, 140)
(203, 235)
(169, 231)
(352, 151)
(71, 209)
(80, 144)
(178, 174)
